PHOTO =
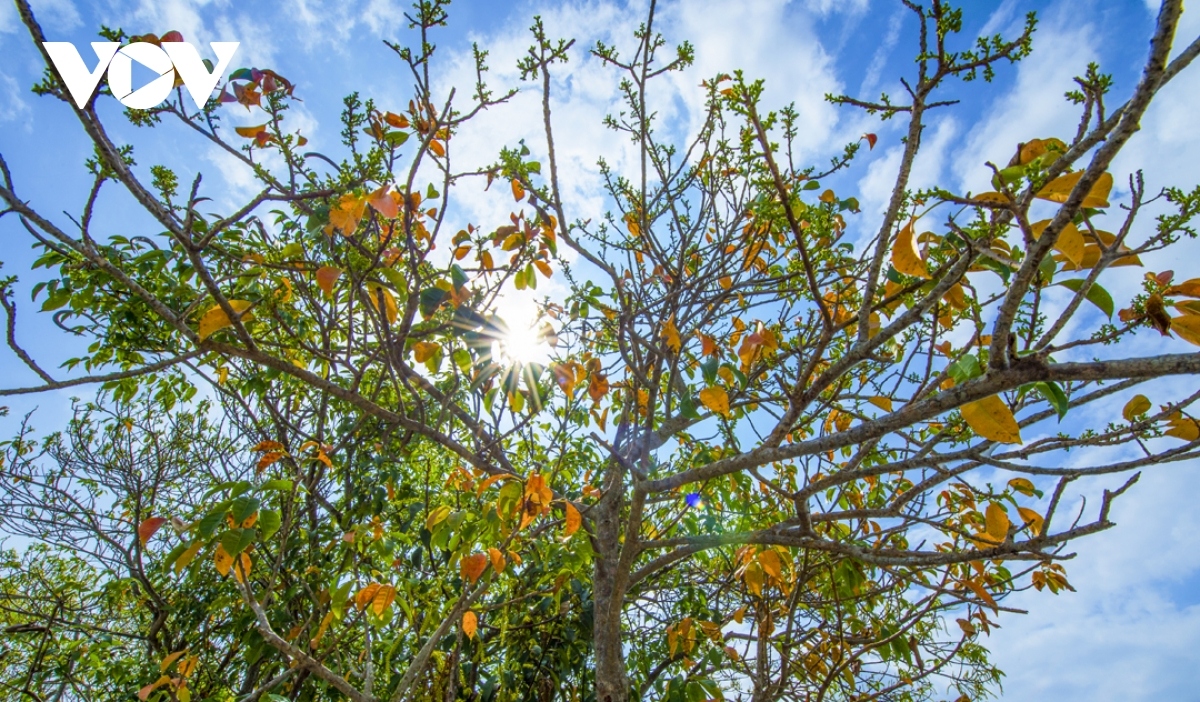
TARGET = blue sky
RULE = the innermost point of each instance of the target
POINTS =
(1132, 630)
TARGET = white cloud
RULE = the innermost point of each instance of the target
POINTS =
(13, 107)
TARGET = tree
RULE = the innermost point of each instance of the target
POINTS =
(761, 461)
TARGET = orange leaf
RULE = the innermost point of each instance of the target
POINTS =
(384, 203)
(983, 594)
(147, 528)
(497, 559)
(436, 147)
(424, 350)
(383, 599)
(366, 596)
(997, 522)
(144, 693)
(346, 214)
(326, 277)
(250, 132)
(670, 335)
(376, 291)
(470, 623)
(518, 191)
(1033, 519)
(267, 445)
(473, 566)
(574, 520)
(1187, 327)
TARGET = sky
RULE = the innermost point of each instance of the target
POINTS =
(1132, 629)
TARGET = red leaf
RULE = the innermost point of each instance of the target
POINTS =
(148, 527)
(871, 138)
(171, 36)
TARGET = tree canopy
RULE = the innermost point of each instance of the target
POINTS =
(755, 456)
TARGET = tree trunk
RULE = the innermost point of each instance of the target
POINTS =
(612, 682)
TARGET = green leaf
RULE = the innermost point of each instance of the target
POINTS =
(243, 507)
(280, 484)
(211, 521)
(395, 138)
(964, 369)
(396, 278)
(234, 541)
(269, 522)
(1055, 396)
(1096, 295)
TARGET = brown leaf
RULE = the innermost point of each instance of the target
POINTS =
(147, 528)
(1159, 319)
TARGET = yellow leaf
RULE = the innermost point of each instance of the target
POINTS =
(436, 517)
(376, 291)
(1183, 427)
(222, 560)
(574, 520)
(316, 639)
(518, 191)
(1022, 485)
(489, 481)
(1187, 327)
(1059, 189)
(186, 557)
(470, 623)
(753, 576)
(992, 419)
(241, 567)
(771, 564)
(215, 319)
(715, 399)
(983, 594)
(383, 599)
(997, 522)
(828, 197)
(904, 254)
(1070, 241)
(1032, 518)
(166, 662)
(1137, 405)
(726, 282)
(992, 196)
(424, 350)
(1037, 147)
(670, 335)
(883, 403)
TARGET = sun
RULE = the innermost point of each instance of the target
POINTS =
(523, 342)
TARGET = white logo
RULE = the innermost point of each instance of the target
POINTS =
(178, 55)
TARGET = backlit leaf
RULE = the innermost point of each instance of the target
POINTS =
(883, 403)
(223, 560)
(997, 522)
(1138, 404)
(148, 526)
(1032, 518)
(470, 623)
(383, 202)
(573, 520)
(904, 254)
(716, 400)
(1059, 189)
(215, 318)
(384, 596)
(518, 190)
(375, 292)
(473, 566)
(1096, 295)
(1187, 327)
(366, 596)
